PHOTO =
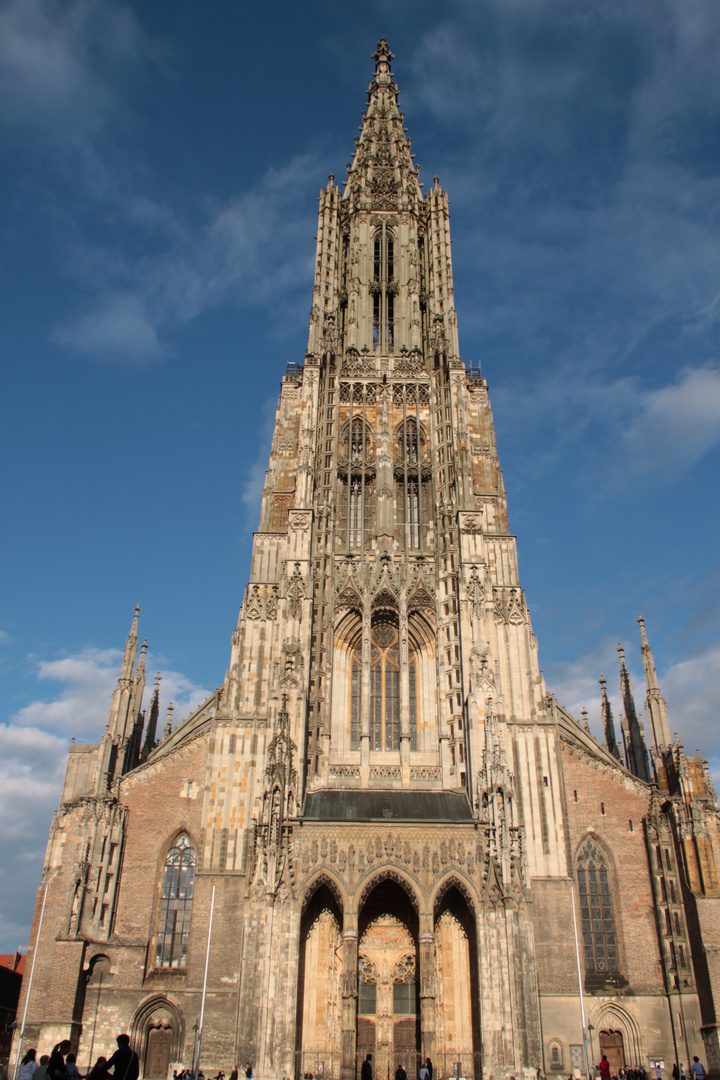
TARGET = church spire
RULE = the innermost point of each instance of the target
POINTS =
(637, 751)
(131, 647)
(607, 718)
(151, 720)
(382, 170)
(654, 701)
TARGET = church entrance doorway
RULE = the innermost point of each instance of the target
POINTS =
(611, 1044)
(388, 1000)
(457, 1015)
(158, 1054)
(319, 1037)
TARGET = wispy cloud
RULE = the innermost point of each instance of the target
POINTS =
(33, 756)
(689, 688)
(84, 682)
(675, 425)
(256, 250)
(62, 65)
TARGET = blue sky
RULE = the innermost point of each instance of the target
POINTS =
(159, 171)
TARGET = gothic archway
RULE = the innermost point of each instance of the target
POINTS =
(456, 984)
(319, 1012)
(388, 1023)
(157, 1034)
(611, 1017)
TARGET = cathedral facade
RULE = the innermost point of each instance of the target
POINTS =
(382, 834)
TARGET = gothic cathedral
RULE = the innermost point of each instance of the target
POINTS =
(382, 829)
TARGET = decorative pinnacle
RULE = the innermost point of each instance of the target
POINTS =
(643, 633)
(168, 723)
(382, 54)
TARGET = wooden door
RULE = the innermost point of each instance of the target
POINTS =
(611, 1044)
(158, 1053)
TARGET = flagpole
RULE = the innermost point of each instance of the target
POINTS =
(202, 1007)
(580, 985)
(32, 972)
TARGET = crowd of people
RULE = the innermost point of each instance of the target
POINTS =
(603, 1071)
(61, 1064)
(124, 1064)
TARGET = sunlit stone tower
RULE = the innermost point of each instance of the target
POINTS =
(383, 808)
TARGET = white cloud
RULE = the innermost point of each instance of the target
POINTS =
(81, 708)
(33, 756)
(675, 425)
(690, 689)
(88, 678)
(61, 64)
(119, 326)
(254, 250)
(32, 766)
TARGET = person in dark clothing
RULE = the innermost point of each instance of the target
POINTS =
(366, 1069)
(99, 1070)
(56, 1065)
(428, 1066)
(124, 1062)
(400, 1073)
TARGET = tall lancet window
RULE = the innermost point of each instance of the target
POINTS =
(408, 475)
(358, 441)
(357, 475)
(176, 905)
(384, 691)
(596, 910)
(383, 290)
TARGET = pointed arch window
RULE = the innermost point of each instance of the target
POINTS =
(357, 475)
(384, 691)
(409, 474)
(176, 905)
(383, 290)
(596, 910)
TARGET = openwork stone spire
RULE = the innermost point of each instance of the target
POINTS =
(382, 175)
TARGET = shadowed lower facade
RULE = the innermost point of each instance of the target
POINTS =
(395, 818)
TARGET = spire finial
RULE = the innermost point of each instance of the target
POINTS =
(382, 55)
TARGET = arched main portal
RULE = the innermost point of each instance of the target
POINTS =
(456, 983)
(319, 1031)
(388, 1001)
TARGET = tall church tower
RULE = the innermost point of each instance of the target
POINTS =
(381, 827)
(384, 645)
